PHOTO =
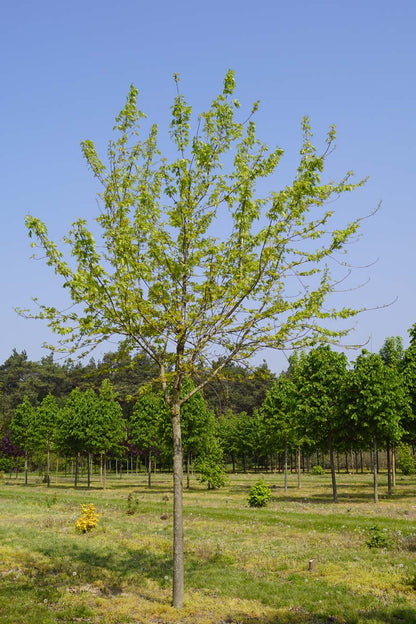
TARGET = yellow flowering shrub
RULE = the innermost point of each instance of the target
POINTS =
(88, 520)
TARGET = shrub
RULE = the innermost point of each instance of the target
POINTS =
(317, 470)
(132, 505)
(88, 520)
(6, 464)
(259, 494)
(377, 539)
(210, 464)
(405, 459)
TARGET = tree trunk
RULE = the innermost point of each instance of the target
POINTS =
(332, 465)
(285, 465)
(389, 485)
(104, 470)
(393, 465)
(88, 470)
(375, 468)
(149, 471)
(178, 563)
(48, 466)
(188, 470)
(76, 469)
(26, 466)
(298, 467)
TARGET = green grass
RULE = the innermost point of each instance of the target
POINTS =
(243, 565)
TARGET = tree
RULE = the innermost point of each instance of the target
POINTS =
(210, 461)
(228, 435)
(194, 419)
(409, 375)
(45, 423)
(320, 400)
(107, 429)
(191, 263)
(392, 354)
(21, 428)
(147, 425)
(71, 435)
(377, 402)
(278, 410)
(250, 437)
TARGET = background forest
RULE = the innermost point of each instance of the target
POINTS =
(322, 412)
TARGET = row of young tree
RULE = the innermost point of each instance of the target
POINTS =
(322, 403)
(319, 405)
(90, 426)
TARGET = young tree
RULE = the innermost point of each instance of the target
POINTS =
(22, 430)
(409, 375)
(377, 402)
(228, 435)
(191, 263)
(72, 425)
(107, 428)
(45, 423)
(320, 400)
(146, 426)
(210, 461)
(195, 418)
(392, 354)
(278, 410)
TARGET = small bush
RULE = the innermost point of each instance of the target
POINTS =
(405, 460)
(317, 470)
(88, 520)
(259, 495)
(377, 539)
(5, 464)
(132, 505)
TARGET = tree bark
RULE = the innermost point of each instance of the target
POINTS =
(48, 466)
(188, 470)
(285, 465)
(178, 563)
(298, 467)
(149, 471)
(88, 470)
(332, 464)
(76, 469)
(26, 466)
(375, 468)
(389, 484)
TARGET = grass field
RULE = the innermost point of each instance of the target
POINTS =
(243, 565)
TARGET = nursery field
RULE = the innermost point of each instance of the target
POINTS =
(303, 559)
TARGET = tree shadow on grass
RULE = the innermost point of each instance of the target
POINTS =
(391, 616)
(115, 567)
(299, 615)
(121, 563)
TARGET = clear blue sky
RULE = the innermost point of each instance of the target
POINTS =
(67, 67)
